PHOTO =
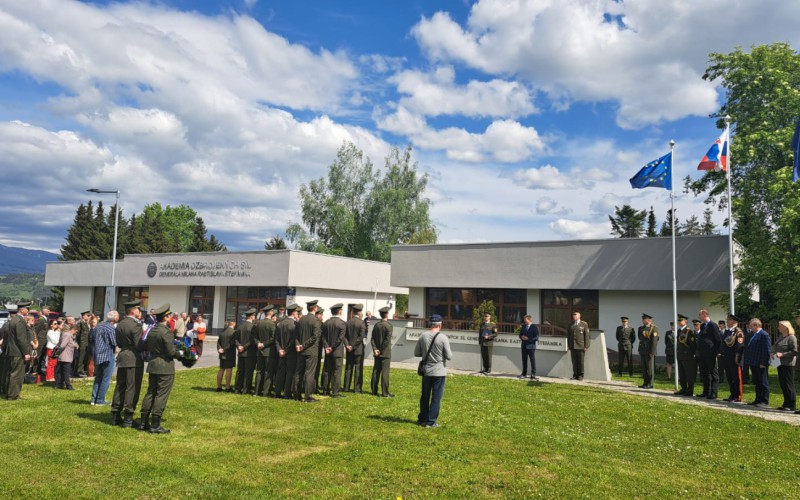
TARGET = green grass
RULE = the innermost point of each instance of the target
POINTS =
(748, 390)
(500, 438)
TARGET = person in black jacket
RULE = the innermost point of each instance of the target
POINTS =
(708, 345)
(528, 335)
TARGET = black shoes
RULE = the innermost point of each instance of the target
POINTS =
(156, 427)
(387, 395)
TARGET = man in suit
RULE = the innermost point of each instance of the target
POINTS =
(382, 352)
(732, 348)
(487, 332)
(578, 341)
(264, 337)
(130, 366)
(756, 356)
(333, 340)
(307, 335)
(247, 353)
(686, 350)
(648, 344)
(528, 336)
(354, 347)
(286, 351)
(161, 345)
(708, 344)
(41, 327)
(19, 351)
(626, 337)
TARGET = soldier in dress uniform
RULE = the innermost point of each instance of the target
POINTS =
(81, 364)
(307, 335)
(648, 343)
(708, 345)
(333, 340)
(732, 350)
(247, 353)
(18, 350)
(317, 379)
(669, 348)
(686, 350)
(382, 352)
(354, 347)
(5, 339)
(264, 338)
(161, 345)
(578, 341)
(626, 337)
(227, 355)
(487, 331)
(130, 366)
(41, 327)
(287, 352)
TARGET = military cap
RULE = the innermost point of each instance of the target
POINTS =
(435, 318)
(731, 317)
(623, 318)
(384, 309)
(682, 317)
(162, 311)
(281, 308)
(696, 321)
(267, 307)
(11, 308)
(337, 306)
(312, 303)
(250, 311)
(84, 313)
(357, 307)
(646, 316)
(22, 304)
(320, 310)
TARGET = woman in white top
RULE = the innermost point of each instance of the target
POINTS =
(53, 336)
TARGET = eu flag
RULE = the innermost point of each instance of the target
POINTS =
(796, 151)
(657, 173)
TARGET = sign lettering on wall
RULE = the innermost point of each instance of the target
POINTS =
(502, 340)
(200, 269)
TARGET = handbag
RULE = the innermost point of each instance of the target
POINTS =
(421, 367)
(57, 350)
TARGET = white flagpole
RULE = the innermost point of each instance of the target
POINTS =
(730, 202)
(674, 275)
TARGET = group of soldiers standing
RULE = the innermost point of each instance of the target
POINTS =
(286, 354)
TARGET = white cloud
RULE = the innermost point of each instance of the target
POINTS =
(436, 93)
(548, 206)
(647, 57)
(580, 229)
(605, 205)
(546, 177)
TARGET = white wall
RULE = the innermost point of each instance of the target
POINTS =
(534, 304)
(220, 296)
(614, 304)
(327, 298)
(176, 296)
(77, 299)
(416, 301)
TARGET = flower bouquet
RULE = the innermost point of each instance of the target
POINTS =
(187, 354)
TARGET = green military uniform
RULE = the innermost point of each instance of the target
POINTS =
(354, 345)
(626, 337)
(161, 370)
(40, 329)
(487, 332)
(227, 358)
(264, 334)
(247, 355)
(130, 368)
(333, 339)
(81, 365)
(307, 335)
(648, 343)
(5, 337)
(18, 346)
(686, 348)
(382, 342)
(285, 343)
(578, 340)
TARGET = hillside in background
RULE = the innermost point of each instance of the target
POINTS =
(22, 286)
(14, 260)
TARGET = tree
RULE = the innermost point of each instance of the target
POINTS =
(691, 227)
(627, 222)
(651, 223)
(485, 307)
(708, 226)
(762, 90)
(358, 212)
(666, 227)
(275, 243)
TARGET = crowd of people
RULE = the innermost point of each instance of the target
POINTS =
(708, 349)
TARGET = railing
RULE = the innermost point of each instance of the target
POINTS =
(546, 330)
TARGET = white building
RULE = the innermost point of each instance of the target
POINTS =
(222, 285)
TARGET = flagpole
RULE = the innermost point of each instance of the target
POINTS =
(728, 168)
(674, 275)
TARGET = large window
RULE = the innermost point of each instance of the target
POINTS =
(201, 302)
(241, 298)
(128, 294)
(558, 306)
(99, 301)
(457, 304)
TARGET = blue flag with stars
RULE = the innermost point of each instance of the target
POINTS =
(657, 173)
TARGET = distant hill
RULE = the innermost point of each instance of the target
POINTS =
(15, 260)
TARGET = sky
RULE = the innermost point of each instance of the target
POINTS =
(528, 117)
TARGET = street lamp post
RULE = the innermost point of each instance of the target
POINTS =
(111, 294)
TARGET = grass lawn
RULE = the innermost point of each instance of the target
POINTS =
(749, 392)
(499, 438)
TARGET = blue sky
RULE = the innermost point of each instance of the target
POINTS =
(528, 116)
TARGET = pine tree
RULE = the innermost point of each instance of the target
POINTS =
(666, 227)
(691, 227)
(708, 226)
(627, 222)
(651, 223)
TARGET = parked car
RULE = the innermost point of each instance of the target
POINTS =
(3, 317)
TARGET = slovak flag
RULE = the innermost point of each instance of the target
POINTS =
(717, 156)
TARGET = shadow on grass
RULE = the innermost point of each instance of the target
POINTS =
(78, 401)
(393, 420)
(206, 389)
(104, 417)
